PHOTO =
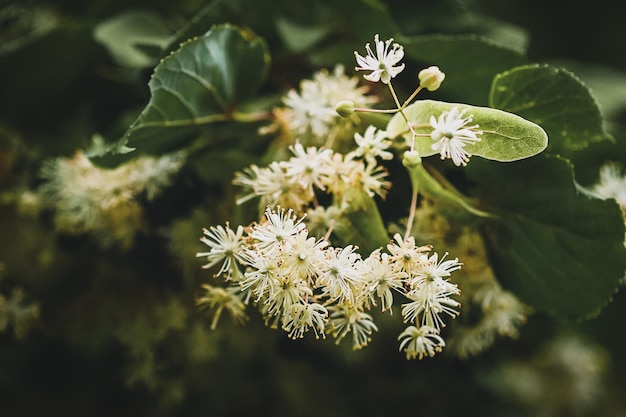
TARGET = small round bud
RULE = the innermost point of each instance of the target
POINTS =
(411, 159)
(345, 108)
(431, 78)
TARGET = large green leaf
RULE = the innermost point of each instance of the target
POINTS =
(555, 246)
(198, 84)
(506, 137)
(555, 99)
(470, 62)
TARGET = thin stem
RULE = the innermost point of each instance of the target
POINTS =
(367, 110)
(412, 96)
(412, 210)
(395, 97)
(328, 233)
(401, 110)
(251, 117)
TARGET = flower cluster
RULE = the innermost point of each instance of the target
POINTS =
(349, 178)
(301, 283)
(309, 112)
(103, 202)
(285, 264)
(451, 130)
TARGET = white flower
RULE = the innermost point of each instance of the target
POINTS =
(309, 109)
(382, 277)
(435, 268)
(309, 167)
(301, 316)
(355, 179)
(420, 342)
(372, 144)
(279, 226)
(345, 319)
(430, 293)
(451, 134)
(405, 254)
(220, 299)
(273, 185)
(612, 184)
(381, 64)
(338, 86)
(303, 256)
(428, 302)
(312, 108)
(262, 276)
(289, 291)
(225, 245)
(340, 275)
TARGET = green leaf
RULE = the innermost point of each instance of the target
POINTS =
(128, 35)
(200, 83)
(299, 38)
(506, 136)
(470, 62)
(558, 248)
(555, 99)
(363, 227)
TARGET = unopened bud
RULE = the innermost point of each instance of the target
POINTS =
(411, 159)
(345, 108)
(431, 78)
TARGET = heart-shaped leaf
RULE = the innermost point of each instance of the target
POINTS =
(506, 136)
(554, 98)
(554, 245)
(200, 83)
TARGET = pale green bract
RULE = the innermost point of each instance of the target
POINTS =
(506, 137)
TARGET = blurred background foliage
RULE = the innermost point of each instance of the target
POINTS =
(87, 330)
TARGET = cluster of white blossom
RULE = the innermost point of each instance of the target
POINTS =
(103, 202)
(348, 177)
(297, 279)
(309, 112)
(302, 283)
(451, 130)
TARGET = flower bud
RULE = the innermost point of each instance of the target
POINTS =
(411, 159)
(431, 78)
(345, 108)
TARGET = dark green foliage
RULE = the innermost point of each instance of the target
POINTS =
(87, 330)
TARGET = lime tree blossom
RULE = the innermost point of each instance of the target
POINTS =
(285, 264)
(295, 183)
(310, 109)
(301, 283)
(382, 64)
(418, 342)
(373, 144)
(451, 134)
